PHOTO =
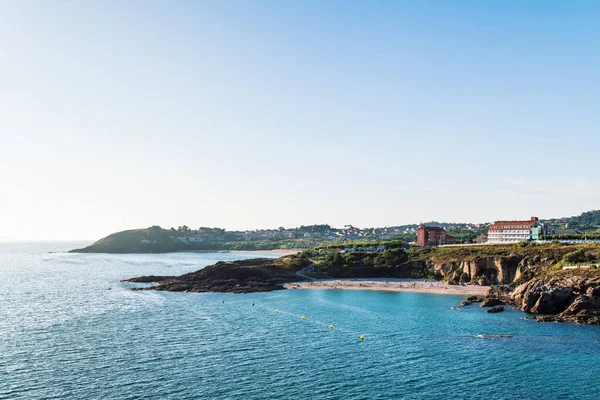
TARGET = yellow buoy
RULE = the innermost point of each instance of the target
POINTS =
(330, 326)
(303, 317)
(362, 337)
(276, 311)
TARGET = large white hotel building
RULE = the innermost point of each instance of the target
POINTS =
(516, 231)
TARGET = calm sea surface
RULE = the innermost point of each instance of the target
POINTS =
(70, 329)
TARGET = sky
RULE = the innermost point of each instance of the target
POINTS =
(258, 114)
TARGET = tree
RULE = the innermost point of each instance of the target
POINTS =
(337, 261)
(184, 229)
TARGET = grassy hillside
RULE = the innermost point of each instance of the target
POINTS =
(152, 240)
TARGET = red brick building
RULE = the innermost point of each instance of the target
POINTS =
(433, 236)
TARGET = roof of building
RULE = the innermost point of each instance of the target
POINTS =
(499, 225)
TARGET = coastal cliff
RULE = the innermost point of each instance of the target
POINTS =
(244, 276)
(559, 296)
(486, 271)
(531, 279)
(473, 265)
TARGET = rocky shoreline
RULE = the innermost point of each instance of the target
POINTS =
(550, 296)
(244, 276)
(562, 296)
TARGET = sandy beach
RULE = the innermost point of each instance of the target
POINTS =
(394, 285)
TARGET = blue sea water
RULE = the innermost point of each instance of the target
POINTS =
(70, 330)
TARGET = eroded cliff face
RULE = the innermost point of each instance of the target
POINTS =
(486, 270)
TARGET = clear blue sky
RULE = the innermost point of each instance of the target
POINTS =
(249, 114)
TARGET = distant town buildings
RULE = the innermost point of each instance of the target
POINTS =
(517, 231)
(433, 236)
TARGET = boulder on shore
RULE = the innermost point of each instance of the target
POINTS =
(563, 296)
(490, 302)
(470, 300)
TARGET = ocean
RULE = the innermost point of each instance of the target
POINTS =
(69, 329)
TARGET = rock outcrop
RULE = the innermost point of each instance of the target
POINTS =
(245, 276)
(565, 296)
(500, 264)
(470, 300)
(491, 302)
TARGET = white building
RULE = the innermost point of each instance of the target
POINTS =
(516, 231)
